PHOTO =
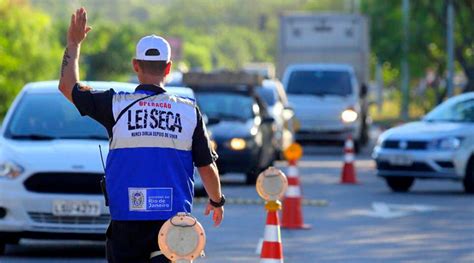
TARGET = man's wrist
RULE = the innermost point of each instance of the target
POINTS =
(218, 203)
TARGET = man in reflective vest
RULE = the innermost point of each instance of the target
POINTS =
(156, 139)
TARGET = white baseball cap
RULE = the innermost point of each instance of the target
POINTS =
(153, 48)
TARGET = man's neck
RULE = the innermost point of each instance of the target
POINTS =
(153, 80)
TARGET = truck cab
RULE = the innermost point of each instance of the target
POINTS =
(327, 102)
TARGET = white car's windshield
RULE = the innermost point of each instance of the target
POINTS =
(453, 112)
(43, 116)
(320, 83)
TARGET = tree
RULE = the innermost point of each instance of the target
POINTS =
(29, 49)
(427, 31)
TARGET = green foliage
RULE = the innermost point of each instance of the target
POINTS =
(218, 34)
(108, 50)
(197, 56)
(427, 34)
(427, 45)
(29, 49)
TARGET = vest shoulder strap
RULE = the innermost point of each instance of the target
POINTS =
(122, 112)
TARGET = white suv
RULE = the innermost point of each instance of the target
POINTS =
(50, 167)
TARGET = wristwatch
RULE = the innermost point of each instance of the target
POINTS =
(217, 204)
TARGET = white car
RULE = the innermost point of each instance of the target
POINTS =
(440, 146)
(50, 167)
(328, 102)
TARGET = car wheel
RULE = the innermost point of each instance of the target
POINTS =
(357, 146)
(468, 181)
(251, 178)
(400, 184)
(364, 137)
(3, 247)
(279, 155)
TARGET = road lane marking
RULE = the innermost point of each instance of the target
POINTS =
(387, 211)
(249, 201)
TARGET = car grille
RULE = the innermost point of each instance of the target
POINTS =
(410, 145)
(49, 218)
(445, 164)
(64, 183)
(415, 167)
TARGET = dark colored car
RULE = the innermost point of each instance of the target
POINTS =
(241, 128)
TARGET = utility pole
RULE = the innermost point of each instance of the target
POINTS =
(450, 49)
(405, 66)
(354, 6)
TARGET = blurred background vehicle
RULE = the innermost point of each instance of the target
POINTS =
(274, 95)
(325, 98)
(439, 146)
(323, 60)
(241, 127)
(50, 166)
(174, 79)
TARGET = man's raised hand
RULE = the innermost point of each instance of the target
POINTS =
(78, 28)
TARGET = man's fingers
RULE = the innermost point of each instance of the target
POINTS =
(217, 217)
(78, 14)
(207, 211)
(88, 29)
(85, 17)
(81, 19)
(73, 20)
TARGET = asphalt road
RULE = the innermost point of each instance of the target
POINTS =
(361, 223)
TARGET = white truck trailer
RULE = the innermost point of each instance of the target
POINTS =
(325, 44)
(307, 38)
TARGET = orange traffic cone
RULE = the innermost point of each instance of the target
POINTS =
(292, 214)
(272, 251)
(348, 175)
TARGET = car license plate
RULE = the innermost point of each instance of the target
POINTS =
(400, 160)
(76, 208)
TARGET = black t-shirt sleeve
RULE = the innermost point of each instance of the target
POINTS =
(203, 154)
(95, 104)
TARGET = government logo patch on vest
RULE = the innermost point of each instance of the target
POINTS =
(137, 199)
(150, 199)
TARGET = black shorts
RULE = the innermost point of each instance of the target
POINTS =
(133, 241)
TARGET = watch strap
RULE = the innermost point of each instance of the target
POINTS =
(217, 204)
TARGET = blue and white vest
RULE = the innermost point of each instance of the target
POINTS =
(149, 174)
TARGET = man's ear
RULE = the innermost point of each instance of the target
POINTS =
(168, 68)
(135, 65)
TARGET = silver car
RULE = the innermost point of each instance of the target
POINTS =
(440, 146)
(274, 95)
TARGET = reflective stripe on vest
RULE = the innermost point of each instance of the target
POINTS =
(149, 165)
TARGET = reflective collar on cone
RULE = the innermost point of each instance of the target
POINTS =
(292, 171)
(349, 157)
(293, 191)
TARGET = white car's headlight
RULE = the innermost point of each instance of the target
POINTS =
(447, 144)
(349, 115)
(10, 170)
